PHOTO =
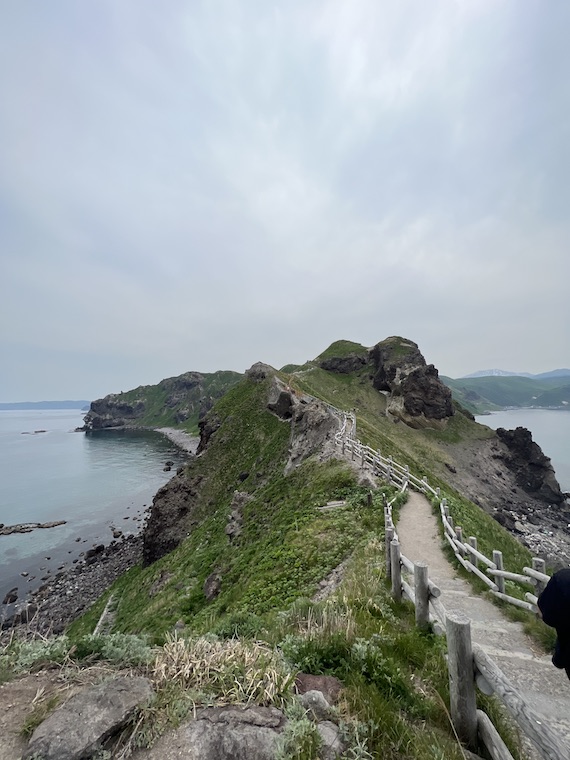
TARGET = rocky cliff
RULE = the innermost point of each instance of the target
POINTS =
(175, 400)
(307, 426)
(415, 395)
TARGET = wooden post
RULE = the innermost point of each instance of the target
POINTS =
(473, 543)
(551, 744)
(459, 536)
(438, 492)
(422, 594)
(450, 520)
(540, 566)
(388, 539)
(396, 569)
(499, 580)
(461, 678)
(369, 499)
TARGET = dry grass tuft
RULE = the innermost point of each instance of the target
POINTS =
(231, 670)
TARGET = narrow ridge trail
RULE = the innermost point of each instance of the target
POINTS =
(528, 668)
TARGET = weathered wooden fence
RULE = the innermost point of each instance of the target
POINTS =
(468, 665)
(490, 571)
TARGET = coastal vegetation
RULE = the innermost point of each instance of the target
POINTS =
(491, 393)
(250, 593)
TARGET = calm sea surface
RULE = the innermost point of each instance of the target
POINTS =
(550, 428)
(94, 481)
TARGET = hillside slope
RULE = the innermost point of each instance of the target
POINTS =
(489, 393)
(177, 401)
(269, 534)
(245, 507)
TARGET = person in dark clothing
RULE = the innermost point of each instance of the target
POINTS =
(554, 606)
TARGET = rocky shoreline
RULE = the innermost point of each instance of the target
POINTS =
(71, 592)
(66, 595)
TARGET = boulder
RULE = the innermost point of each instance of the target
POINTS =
(316, 705)
(332, 745)
(79, 728)
(329, 686)
(223, 733)
(212, 586)
(11, 596)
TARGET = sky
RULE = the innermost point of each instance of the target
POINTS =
(193, 185)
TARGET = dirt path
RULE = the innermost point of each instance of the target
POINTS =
(528, 668)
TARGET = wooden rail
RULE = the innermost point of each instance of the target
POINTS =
(469, 666)
(466, 553)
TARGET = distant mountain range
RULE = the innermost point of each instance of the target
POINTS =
(31, 405)
(491, 390)
(506, 373)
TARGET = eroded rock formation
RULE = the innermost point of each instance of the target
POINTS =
(532, 469)
(414, 391)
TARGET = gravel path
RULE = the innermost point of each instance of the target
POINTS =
(531, 672)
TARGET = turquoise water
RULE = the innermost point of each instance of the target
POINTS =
(94, 481)
(550, 428)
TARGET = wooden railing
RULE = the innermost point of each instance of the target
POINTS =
(466, 553)
(469, 666)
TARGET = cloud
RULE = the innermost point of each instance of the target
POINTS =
(207, 185)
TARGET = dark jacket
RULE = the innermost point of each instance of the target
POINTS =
(554, 604)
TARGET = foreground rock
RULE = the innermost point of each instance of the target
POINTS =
(222, 733)
(240, 733)
(87, 720)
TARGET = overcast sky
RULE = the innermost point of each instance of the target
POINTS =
(203, 185)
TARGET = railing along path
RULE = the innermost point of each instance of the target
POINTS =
(469, 666)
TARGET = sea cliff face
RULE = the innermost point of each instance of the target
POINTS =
(176, 400)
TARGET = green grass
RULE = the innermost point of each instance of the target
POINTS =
(394, 703)
(342, 348)
(168, 402)
(481, 394)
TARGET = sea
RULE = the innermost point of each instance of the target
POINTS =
(97, 482)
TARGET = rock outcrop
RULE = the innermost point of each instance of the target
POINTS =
(170, 516)
(80, 727)
(174, 400)
(533, 470)
(415, 394)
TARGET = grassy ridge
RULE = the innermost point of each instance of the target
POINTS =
(395, 677)
(176, 402)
